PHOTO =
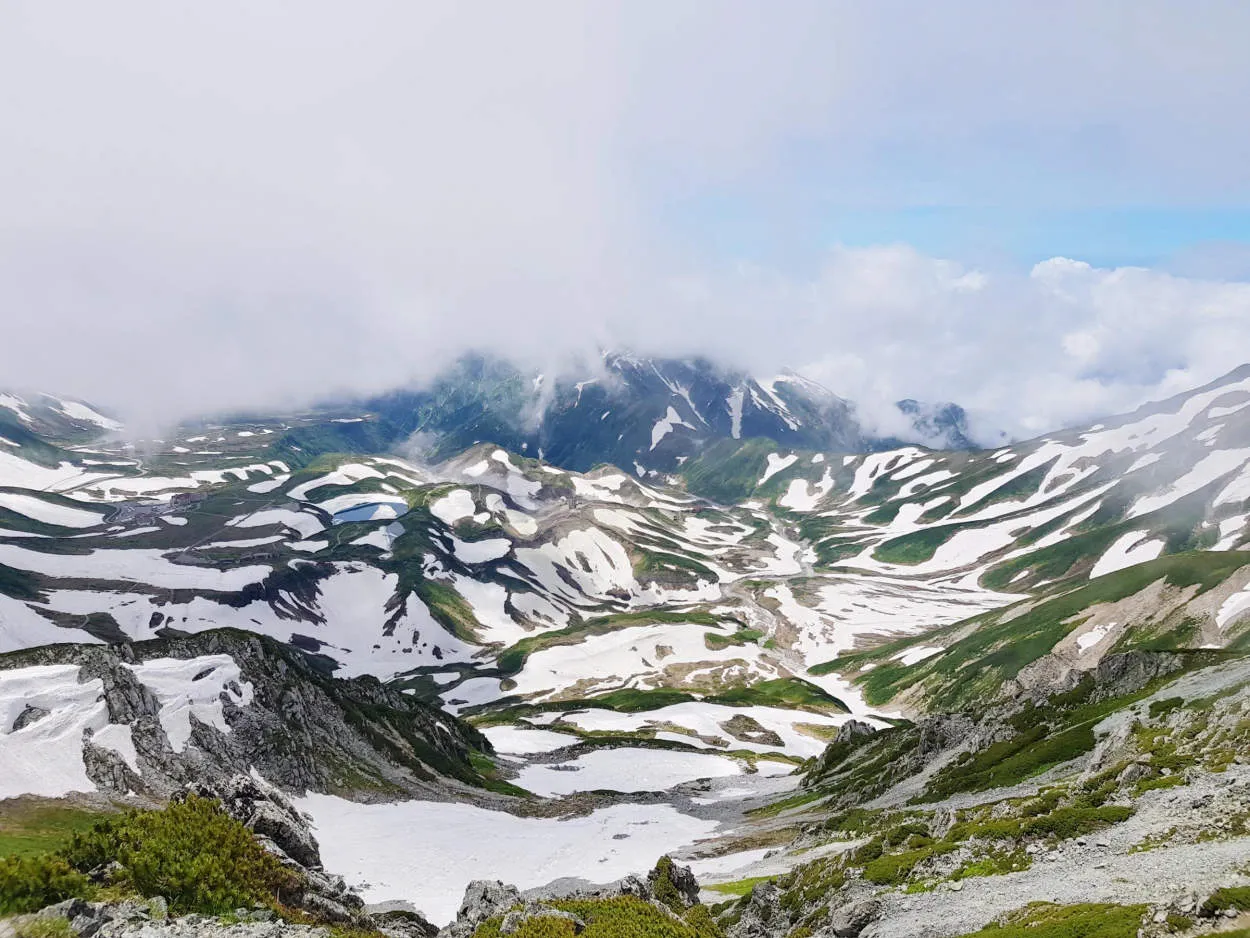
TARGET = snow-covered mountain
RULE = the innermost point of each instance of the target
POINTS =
(648, 416)
(723, 620)
(485, 580)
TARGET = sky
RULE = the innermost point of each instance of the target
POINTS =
(1040, 211)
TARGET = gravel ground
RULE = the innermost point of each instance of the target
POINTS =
(1095, 869)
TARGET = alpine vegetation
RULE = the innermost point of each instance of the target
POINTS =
(625, 470)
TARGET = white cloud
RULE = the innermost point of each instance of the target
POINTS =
(1063, 345)
(239, 204)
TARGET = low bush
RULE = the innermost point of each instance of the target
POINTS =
(1088, 920)
(1230, 897)
(620, 917)
(895, 867)
(1064, 823)
(27, 884)
(45, 928)
(192, 853)
(1159, 707)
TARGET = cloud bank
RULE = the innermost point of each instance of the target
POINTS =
(256, 204)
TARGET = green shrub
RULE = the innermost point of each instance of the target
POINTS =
(192, 853)
(1160, 707)
(1178, 923)
(1089, 920)
(620, 917)
(895, 867)
(993, 829)
(27, 884)
(868, 852)
(1073, 822)
(700, 919)
(994, 864)
(1159, 781)
(1011, 761)
(901, 833)
(1230, 897)
(663, 888)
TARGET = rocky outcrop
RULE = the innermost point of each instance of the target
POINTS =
(852, 918)
(483, 899)
(301, 728)
(762, 916)
(670, 888)
(268, 813)
(1113, 675)
(513, 921)
(150, 919)
(287, 834)
(852, 730)
(282, 830)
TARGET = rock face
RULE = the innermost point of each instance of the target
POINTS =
(762, 917)
(266, 812)
(483, 899)
(299, 727)
(673, 884)
(1113, 675)
(852, 730)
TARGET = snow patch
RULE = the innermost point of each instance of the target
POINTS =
(455, 506)
(49, 512)
(909, 656)
(460, 843)
(776, 464)
(625, 770)
(1128, 549)
(193, 687)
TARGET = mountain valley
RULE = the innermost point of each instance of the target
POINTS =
(857, 686)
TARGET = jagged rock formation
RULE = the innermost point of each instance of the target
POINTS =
(272, 709)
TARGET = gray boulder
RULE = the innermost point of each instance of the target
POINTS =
(850, 920)
(682, 878)
(483, 899)
(267, 812)
(763, 916)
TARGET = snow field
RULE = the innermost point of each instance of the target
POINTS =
(137, 566)
(49, 512)
(193, 687)
(512, 740)
(664, 426)
(302, 522)
(80, 412)
(343, 475)
(1128, 549)
(1232, 608)
(455, 506)
(45, 756)
(705, 719)
(625, 770)
(481, 551)
(777, 464)
(636, 656)
(452, 844)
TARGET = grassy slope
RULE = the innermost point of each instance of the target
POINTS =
(30, 826)
(994, 650)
